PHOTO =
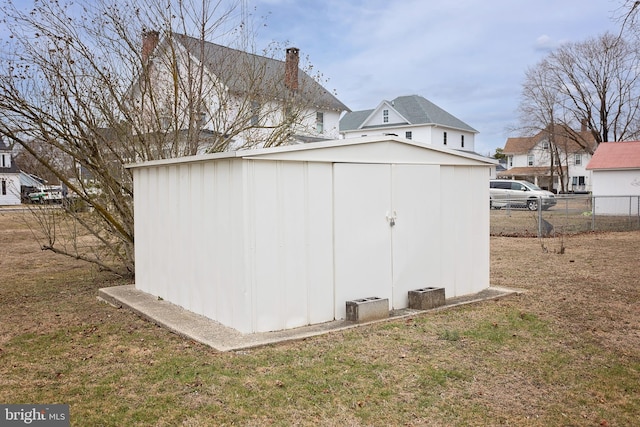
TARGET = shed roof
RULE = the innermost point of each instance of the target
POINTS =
(616, 155)
(373, 149)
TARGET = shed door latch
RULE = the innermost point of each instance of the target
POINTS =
(392, 218)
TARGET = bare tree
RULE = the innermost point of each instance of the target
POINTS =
(599, 82)
(540, 109)
(76, 84)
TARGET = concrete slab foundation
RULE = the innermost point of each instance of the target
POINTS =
(209, 332)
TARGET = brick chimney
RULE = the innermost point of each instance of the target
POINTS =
(149, 42)
(291, 68)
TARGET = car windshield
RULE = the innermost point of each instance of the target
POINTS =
(533, 186)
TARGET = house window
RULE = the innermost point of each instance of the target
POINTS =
(4, 165)
(462, 141)
(545, 145)
(578, 181)
(444, 139)
(319, 122)
(4, 186)
(577, 160)
(530, 160)
(408, 134)
(165, 122)
(385, 116)
(510, 161)
(255, 113)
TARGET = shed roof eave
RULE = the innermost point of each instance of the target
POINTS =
(271, 153)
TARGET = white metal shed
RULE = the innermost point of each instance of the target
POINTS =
(272, 239)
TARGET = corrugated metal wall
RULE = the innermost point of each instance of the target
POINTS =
(263, 245)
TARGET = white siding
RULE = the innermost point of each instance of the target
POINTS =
(426, 134)
(12, 189)
(612, 188)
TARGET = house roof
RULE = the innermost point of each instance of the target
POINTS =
(616, 155)
(565, 139)
(414, 108)
(244, 72)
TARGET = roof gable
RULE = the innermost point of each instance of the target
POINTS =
(377, 117)
(616, 155)
(413, 109)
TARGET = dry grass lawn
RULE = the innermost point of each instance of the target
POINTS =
(564, 352)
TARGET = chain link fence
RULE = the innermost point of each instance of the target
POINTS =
(572, 214)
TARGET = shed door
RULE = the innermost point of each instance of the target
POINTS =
(372, 257)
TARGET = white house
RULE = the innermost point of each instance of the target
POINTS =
(616, 178)
(189, 83)
(411, 117)
(278, 238)
(529, 159)
(9, 177)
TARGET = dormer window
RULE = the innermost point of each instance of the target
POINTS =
(385, 116)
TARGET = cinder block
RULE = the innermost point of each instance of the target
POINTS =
(426, 298)
(367, 309)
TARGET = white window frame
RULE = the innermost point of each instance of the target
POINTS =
(408, 134)
(319, 122)
(577, 159)
(385, 116)
(530, 160)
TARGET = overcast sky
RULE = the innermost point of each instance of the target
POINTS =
(466, 56)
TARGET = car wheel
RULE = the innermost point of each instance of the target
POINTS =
(532, 205)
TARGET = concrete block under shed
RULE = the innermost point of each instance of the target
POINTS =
(367, 309)
(426, 298)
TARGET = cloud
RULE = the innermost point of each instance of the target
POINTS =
(546, 44)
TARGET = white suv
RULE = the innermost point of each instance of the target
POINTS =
(510, 193)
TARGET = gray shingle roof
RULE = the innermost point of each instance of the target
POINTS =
(244, 72)
(416, 109)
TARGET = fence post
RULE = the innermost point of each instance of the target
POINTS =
(593, 213)
(539, 217)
